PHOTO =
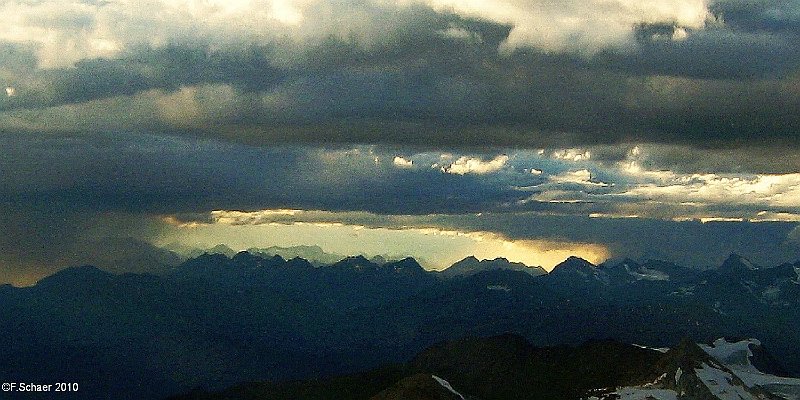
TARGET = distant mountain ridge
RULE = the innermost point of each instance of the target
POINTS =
(471, 266)
(216, 320)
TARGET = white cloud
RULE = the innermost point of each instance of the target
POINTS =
(766, 190)
(466, 165)
(582, 25)
(572, 155)
(776, 216)
(66, 31)
(580, 177)
(233, 217)
(401, 162)
(556, 196)
(680, 34)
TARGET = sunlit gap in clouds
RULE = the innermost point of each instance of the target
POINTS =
(434, 247)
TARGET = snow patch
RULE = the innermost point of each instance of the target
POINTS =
(678, 374)
(720, 384)
(648, 274)
(445, 384)
(658, 349)
(761, 379)
(735, 355)
(637, 393)
(684, 291)
(503, 288)
(771, 293)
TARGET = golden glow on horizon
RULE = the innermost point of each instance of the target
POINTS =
(437, 248)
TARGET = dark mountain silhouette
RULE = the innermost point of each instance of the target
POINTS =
(215, 320)
(471, 266)
(420, 386)
(737, 264)
(498, 367)
(124, 254)
(509, 367)
(313, 254)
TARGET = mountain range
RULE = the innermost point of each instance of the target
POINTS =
(215, 321)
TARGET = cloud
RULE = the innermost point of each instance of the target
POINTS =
(513, 73)
(572, 154)
(781, 191)
(66, 191)
(580, 177)
(401, 162)
(466, 165)
(65, 32)
(583, 26)
(155, 173)
(157, 108)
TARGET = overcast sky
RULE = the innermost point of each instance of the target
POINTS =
(529, 129)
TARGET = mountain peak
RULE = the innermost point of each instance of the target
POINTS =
(471, 260)
(76, 276)
(406, 265)
(355, 262)
(471, 266)
(574, 262)
(735, 262)
(222, 249)
(244, 256)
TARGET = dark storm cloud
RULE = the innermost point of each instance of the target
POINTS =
(437, 78)
(156, 174)
(779, 16)
(712, 53)
(166, 68)
(706, 98)
(689, 243)
(63, 196)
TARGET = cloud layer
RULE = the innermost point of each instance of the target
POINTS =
(531, 120)
(516, 73)
(61, 194)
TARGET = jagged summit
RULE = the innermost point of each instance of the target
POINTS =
(686, 355)
(246, 256)
(355, 262)
(471, 266)
(406, 265)
(735, 262)
(575, 269)
(574, 262)
(82, 275)
(221, 249)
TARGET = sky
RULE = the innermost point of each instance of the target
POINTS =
(531, 130)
